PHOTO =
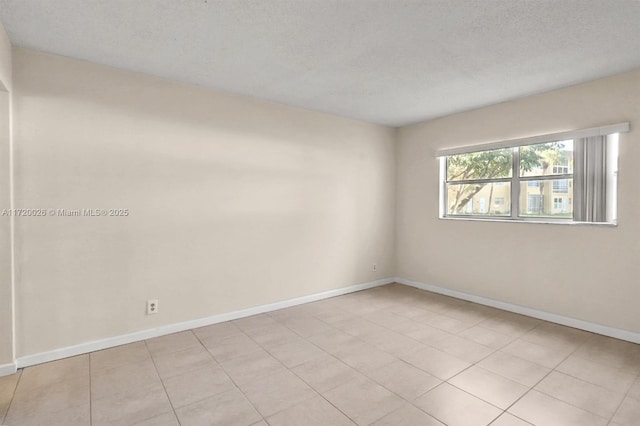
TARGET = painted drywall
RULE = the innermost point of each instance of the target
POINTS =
(232, 202)
(584, 272)
(5, 59)
(6, 305)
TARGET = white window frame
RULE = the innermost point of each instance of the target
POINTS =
(516, 179)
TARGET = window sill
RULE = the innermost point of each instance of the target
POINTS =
(537, 221)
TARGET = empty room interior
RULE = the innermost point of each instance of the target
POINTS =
(319, 212)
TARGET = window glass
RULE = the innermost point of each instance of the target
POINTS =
(486, 199)
(480, 165)
(550, 198)
(553, 158)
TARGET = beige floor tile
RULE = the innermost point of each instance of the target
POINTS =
(166, 419)
(487, 337)
(289, 313)
(120, 355)
(589, 397)
(296, 352)
(540, 409)
(129, 407)
(333, 315)
(228, 408)
(549, 334)
(541, 355)
(313, 412)
(174, 363)
(276, 392)
(628, 413)
(61, 395)
(217, 331)
(55, 371)
(79, 415)
(407, 415)
(307, 326)
(436, 363)
(387, 319)
(507, 419)
(598, 373)
(404, 379)
(334, 341)
(488, 386)
(231, 347)
(456, 408)
(469, 313)
(255, 321)
(463, 349)
(634, 391)
(512, 367)
(364, 357)
(510, 324)
(325, 373)
(7, 388)
(187, 388)
(172, 343)
(449, 324)
(424, 333)
(273, 335)
(410, 310)
(252, 366)
(363, 400)
(359, 327)
(127, 377)
(616, 353)
(393, 343)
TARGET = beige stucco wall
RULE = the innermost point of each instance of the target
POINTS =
(584, 272)
(233, 202)
(6, 310)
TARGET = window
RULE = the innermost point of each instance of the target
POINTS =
(534, 204)
(561, 205)
(561, 186)
(534, 178)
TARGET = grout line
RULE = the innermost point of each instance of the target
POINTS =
(626, 395)
(162, 383)
(226, 373)
(547, 375)
(13, 396)
(294, 373)
(366, 375)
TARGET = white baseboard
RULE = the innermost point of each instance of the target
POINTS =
(617, 333)
(109, 342)
(8, 369)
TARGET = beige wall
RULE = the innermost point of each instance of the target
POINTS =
(584, 272)
(233, 202)
(5, 59)
(6, 313)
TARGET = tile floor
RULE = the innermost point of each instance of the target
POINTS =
(393, 355)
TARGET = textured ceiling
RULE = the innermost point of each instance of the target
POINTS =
(391, 62)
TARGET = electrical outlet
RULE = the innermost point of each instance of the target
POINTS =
(152, 306)
(374, 267)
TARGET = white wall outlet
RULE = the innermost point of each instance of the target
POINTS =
(152, 306)
(374, 267)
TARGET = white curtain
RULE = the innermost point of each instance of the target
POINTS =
(590, 183)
